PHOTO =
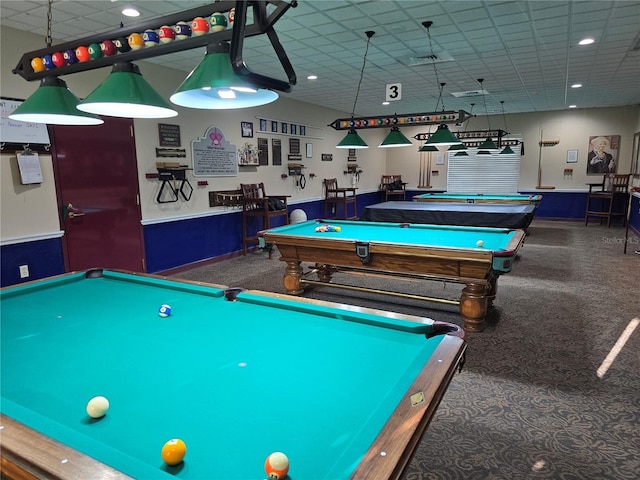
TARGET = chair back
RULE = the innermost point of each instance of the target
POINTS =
(252, 190)
(389, 179)
(330, 187)
(617, 183)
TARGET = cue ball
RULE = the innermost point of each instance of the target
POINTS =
(276, 466)
(97, 407)
(480, 243)
(173, 451)
(164, 310)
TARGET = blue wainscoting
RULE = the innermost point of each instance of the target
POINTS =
(43, 257)
(177, 243)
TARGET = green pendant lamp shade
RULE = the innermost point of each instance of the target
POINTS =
(352, 140)
(507, 151)
(454, 148)
(443, 136)
(214, 85)
(54, 104)
(395, 139)
(125, 93)
(428, 148)
(461, 153)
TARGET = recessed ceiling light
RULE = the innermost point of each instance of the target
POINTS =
(573, 106)
(385, 103)
(312, 77)
(586, 41)
(130, 12)
(576, 85)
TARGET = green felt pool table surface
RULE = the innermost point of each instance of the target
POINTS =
(478, 198)
(235, 375)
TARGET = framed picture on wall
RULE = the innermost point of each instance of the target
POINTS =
(247, 129)
(602, 156)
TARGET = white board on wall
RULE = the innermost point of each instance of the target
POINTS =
(489, 174)
(20, 133)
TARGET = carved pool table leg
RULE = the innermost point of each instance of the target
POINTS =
(492, 290)
(292, 277)
(473, 306)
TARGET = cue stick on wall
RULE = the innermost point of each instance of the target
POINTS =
(541, 145)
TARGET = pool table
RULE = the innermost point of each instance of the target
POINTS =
(499, 215)
(479, 198)
(345, 392)
(430, 252)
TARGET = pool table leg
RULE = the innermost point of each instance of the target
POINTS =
(473, 306)
(292, 277)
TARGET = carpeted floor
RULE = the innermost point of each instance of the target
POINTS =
(529, 403)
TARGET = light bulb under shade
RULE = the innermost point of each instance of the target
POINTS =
(54, 104)
(352, 140)
(213, 85)
(443, 136)
(125, 93)
(395, 138)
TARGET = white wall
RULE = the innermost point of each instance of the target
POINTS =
(572, 127)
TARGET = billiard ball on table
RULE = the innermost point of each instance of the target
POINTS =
(173, 451)
(97, 407)
(276, 466)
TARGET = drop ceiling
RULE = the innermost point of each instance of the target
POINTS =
(527, 52)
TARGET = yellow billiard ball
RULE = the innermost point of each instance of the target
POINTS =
(173, 451)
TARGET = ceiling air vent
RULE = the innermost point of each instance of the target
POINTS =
(470, 93)
(426, 59)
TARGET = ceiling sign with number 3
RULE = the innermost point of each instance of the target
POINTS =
(394, 91)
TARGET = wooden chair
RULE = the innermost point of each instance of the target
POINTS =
(607, 193)
(256, 204)
(335, 197)
(393, 187)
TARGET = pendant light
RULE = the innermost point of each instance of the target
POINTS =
(442, 136)
(395, 138)
(214, 85)
(507, 150)
(487, 147)
(53, 102)
(125, 93)
(352, 139)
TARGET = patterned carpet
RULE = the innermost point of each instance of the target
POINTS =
(529, 403)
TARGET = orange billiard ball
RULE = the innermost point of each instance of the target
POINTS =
(199, 26)
(82, 54)
(173, 451)
(276, 466)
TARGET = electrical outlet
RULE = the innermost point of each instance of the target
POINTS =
(24, 271)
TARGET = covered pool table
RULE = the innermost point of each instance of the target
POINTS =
(430, 252)
(345, 392)
(479, 198)
(499, 215)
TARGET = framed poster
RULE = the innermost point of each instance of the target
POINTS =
(309, 147)
(602, 156)
(247, 129)
(169, 135)
(572, 156)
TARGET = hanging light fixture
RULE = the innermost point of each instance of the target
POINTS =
(507, 150)
(352, 139)
(395, 138)
(442, 136)
(488, 146)
(125, 93)
(214, 85)
(53, 102)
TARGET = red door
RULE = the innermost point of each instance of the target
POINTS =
(97, 187)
